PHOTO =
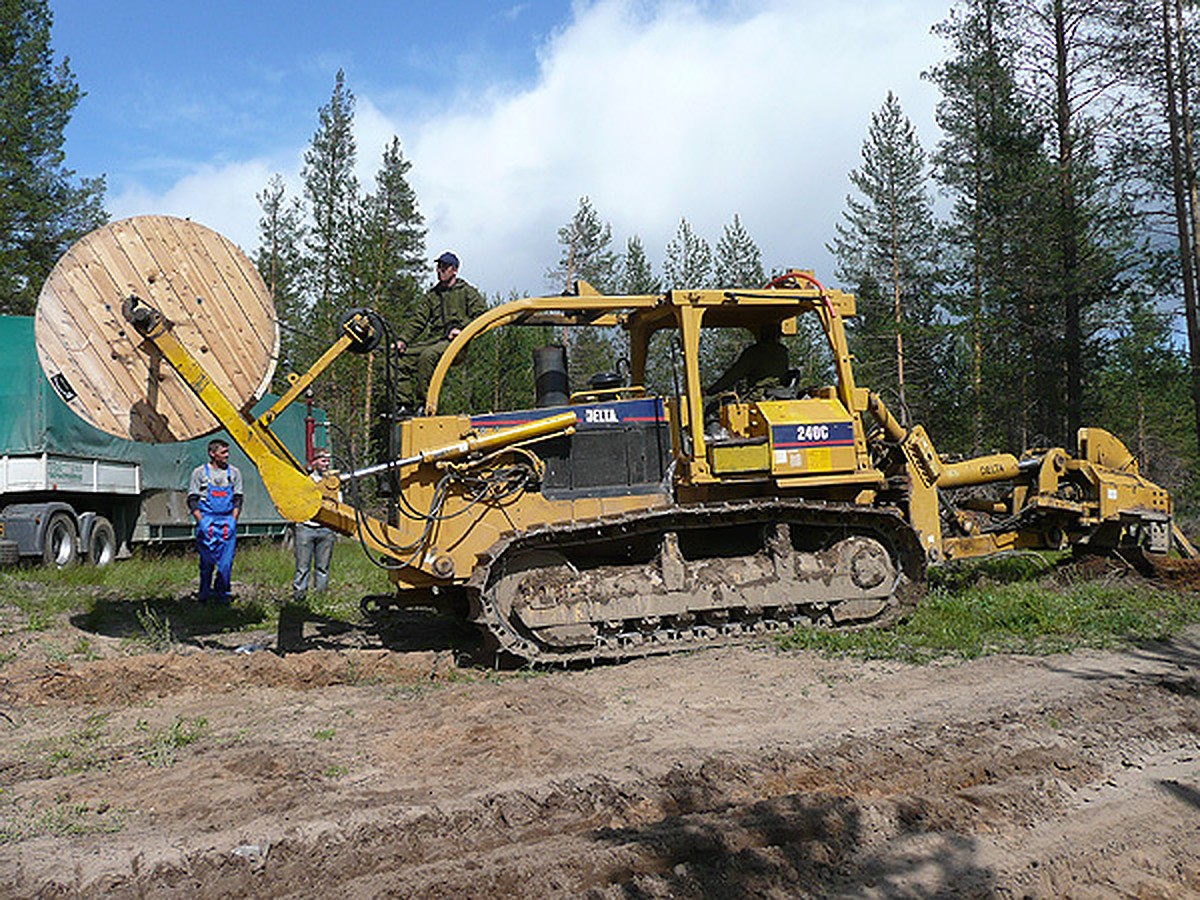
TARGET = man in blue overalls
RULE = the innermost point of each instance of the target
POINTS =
(215, 499)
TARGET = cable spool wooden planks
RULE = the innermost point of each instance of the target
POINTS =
(203, 284)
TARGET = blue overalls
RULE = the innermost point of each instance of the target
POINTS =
(216, 538)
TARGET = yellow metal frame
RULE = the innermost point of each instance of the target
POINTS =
(684, 311)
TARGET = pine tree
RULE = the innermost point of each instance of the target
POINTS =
(886, 247)
(333, 254)
(738, 259)
(688, 262)
(586, 253)
(990, 162)
(280, 262)
(638, 278)
(1153, 59)
(1065, 48)
(42, 208)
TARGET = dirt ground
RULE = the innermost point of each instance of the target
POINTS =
(371, 763)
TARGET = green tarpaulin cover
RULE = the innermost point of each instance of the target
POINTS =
(34, 420)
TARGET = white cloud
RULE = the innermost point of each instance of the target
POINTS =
(219, 197)
(655, 112)
(671, 114)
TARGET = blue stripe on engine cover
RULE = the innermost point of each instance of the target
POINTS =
(640, 411)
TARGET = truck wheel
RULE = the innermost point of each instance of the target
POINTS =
(102, 543)
(62, 541)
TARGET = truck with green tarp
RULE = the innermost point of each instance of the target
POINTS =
(69, 491)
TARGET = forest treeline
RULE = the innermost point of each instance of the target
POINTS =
(1033, 269)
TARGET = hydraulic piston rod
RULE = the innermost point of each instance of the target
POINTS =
(560, 423)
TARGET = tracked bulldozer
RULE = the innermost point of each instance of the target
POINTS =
(609, 523)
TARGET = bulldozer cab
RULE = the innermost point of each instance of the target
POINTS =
(713, 439)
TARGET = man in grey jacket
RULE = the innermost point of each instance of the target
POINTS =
(314, 543)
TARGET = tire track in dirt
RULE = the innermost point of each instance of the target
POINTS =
(727, 773)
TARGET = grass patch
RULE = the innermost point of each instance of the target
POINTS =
(80, 750)
(41, 620)
(162, 746)
(20, 822)
(1004, 604)
(156, 628)
(83, 648)
(1002, 607)
(148, 599)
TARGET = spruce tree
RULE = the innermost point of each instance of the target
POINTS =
(393, 240)
(688, 262)
(737, 263)
(43, 209)
(331, 190)
(391, 251)
(1142, 395)
(355, 252)
(498, 372)
(333, 260)
(640, 279)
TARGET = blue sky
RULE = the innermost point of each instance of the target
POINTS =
(508, 111)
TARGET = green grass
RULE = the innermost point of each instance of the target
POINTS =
(79, 750)
(1002, 607)
(147, 599)
(1010, 604)
(163, 744)
(20, 821)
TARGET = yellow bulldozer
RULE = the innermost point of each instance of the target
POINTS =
(608, 523)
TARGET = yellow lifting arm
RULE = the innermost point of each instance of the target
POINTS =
(295, 495)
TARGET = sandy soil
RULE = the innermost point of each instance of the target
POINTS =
(356, 769)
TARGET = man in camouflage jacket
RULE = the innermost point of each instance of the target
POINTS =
(439, 315)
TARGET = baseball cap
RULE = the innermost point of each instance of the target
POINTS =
(448, 259)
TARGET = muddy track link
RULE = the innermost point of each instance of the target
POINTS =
(668, 580)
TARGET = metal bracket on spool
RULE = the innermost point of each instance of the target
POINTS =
(145, 319)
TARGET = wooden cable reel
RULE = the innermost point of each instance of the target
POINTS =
(201, 282)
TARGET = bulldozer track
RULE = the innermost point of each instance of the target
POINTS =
(664, 581)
